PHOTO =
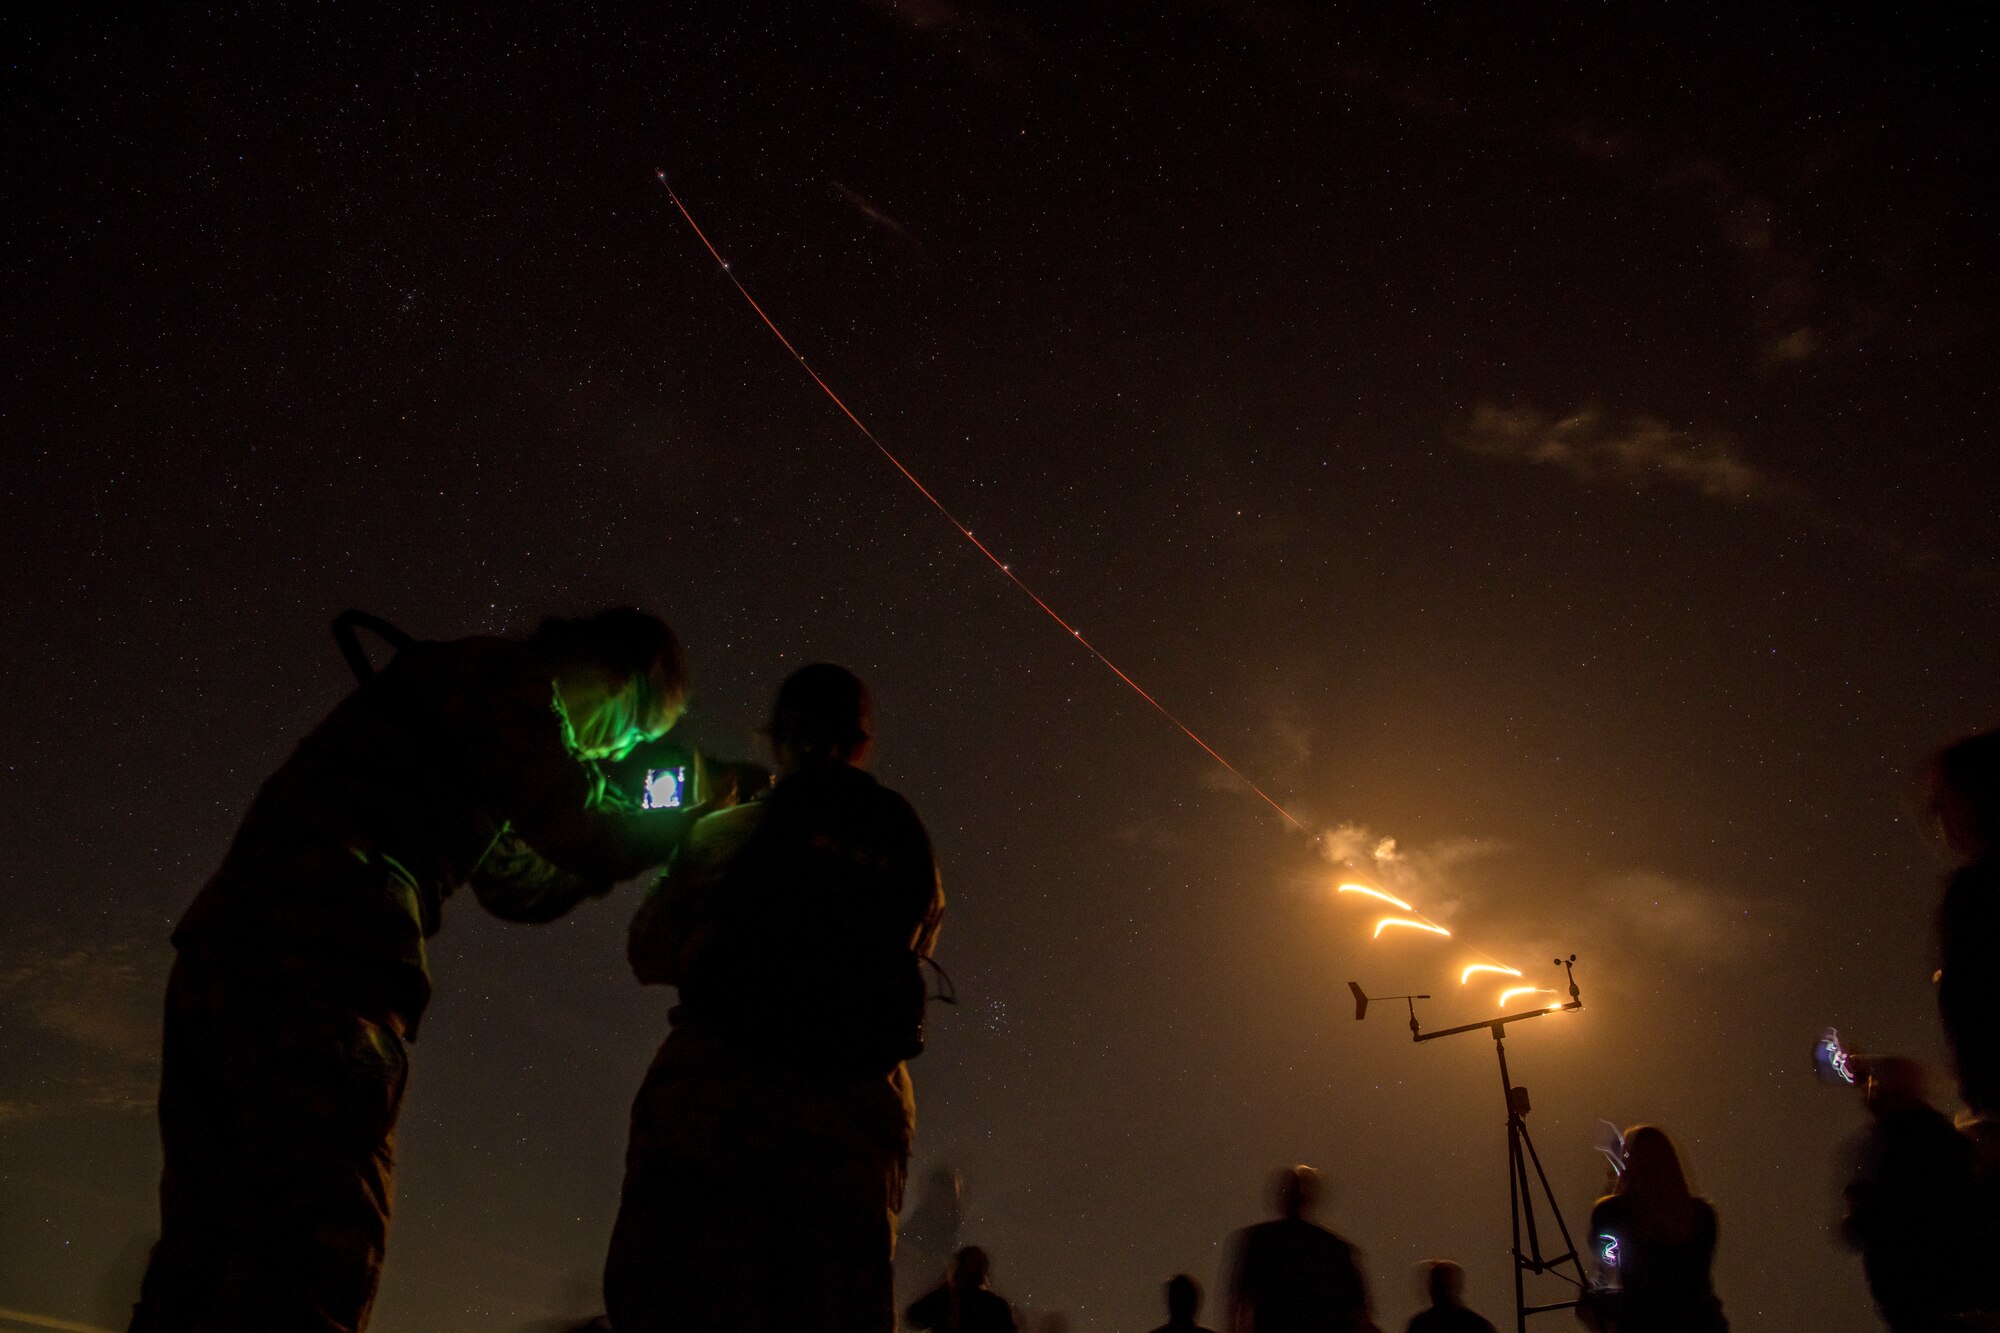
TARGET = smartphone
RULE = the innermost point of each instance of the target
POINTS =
(1830, 1059)
(667, 789)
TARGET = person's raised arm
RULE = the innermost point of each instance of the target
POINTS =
(677, 916)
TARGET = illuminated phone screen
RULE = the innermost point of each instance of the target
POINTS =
(1830, 1058)
(666, 789)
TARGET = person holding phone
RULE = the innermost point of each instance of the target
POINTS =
(1654, 1242)
(302, 968)
(1962, 791)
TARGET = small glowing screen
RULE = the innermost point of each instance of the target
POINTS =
(666, 789)
(1831, 1058)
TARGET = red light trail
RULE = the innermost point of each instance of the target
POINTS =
(1424, 925)
(964, 531)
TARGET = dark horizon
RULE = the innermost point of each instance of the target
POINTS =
(1558, 442)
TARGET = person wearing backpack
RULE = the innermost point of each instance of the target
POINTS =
(771, 1137)
(302, 968)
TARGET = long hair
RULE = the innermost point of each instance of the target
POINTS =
(1656, 1183)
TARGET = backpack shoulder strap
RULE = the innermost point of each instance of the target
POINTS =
(347, 627)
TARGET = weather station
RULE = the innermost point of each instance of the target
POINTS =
(1521, 1154)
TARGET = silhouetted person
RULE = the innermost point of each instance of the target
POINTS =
(1963, 794)
(1909, 1202)
(1183, 1305)
(1654, 1242)
(1444, 1281)
(302, 968)
(1963, 791)
(963, 1303)
(771, 1137)
(1291, 1275)
(928, 1236)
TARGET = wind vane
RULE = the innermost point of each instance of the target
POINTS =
(1521, 1152)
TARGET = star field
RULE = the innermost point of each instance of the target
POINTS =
(1556, 439)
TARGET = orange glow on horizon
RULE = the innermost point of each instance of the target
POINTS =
(1388, 898)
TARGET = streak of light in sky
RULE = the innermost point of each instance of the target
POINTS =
(1405, 922)
(1388, 898)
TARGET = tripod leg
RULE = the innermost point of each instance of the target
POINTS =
(1516, 1178)
(1555, 1209)
(1517, 1134)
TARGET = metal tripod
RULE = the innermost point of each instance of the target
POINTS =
(1521, 1155)
(1521, 1197)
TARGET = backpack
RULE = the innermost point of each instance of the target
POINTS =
(810, 963)
(347, 627)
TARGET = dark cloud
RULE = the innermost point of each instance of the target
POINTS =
(90, 1017)
(1637, 451)
(1760, 188)
(993, 47)
(1674, 921)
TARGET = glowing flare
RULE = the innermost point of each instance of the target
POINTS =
(1389, 921)
(1467, 975)
(1388, 898)
(1384, 851)
(1513, 991)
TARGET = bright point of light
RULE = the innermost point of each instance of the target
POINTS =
(1833, 1057)
(1388, 898)
(1513, 991)
(666, 789)
(1389, 921)
(1467, 975)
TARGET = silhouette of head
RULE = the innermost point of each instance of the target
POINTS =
(1183, 1299)
(1295, 1191)
(1445, 1281)
(969, 1268)
(1962, 793)
(1652, 1166)
(944, 1183)
(621, 675)
(823, 715)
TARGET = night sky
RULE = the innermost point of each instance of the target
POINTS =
(1556, 438)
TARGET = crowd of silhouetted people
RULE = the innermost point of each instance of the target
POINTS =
(795, 916)
(1291, 1274)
